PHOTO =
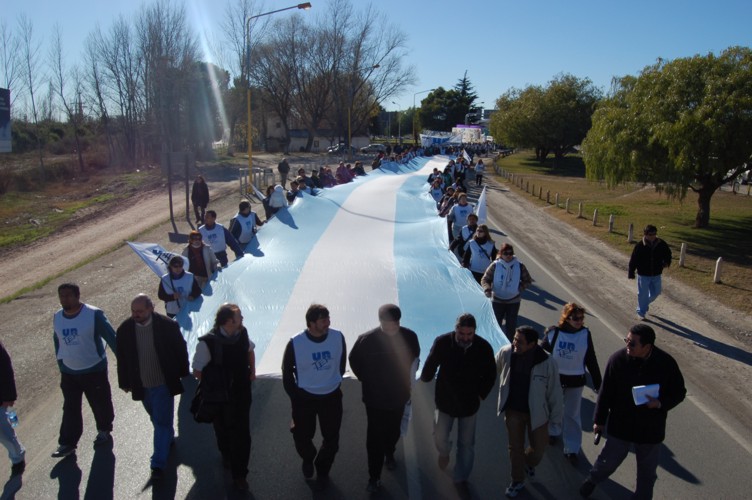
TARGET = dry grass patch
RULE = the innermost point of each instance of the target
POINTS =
(730, 234)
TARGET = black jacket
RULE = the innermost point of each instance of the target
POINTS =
(649, 260)
(627, 421)
(383, 365)
(466, 376)
(171, 351)
(7, 381)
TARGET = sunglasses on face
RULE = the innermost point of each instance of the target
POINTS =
(577, 318)
(507, 253)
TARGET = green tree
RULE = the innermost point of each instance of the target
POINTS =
(553, 119)
(682, 125)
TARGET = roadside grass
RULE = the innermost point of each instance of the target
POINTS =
(729, 235)
(31, 215)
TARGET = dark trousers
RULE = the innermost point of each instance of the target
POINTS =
(328, 409)
(96, 387)
(222, 258)
(200, 211)
(381, 437)
(506, 313)
(232, 429)
(614, 453)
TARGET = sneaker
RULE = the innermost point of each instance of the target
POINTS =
(641, 317)
(443, 461)
(390, 463)
(587, 488)
(156, 473)
(571, 458)
(514, 489)
(530, 471)
(63, 451)
(102, 438)
(18, 469)
(307, 469)
(373, 486)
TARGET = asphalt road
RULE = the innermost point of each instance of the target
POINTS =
(706, 453)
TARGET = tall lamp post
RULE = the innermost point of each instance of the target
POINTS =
(399, 125)
(302, 6)
(349, 110)
(415, 111)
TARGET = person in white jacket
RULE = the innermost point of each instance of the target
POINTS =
(530, 398)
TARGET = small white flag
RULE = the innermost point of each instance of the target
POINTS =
(480, 208)
(156, 257)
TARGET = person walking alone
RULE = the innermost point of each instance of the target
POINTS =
(650, 257)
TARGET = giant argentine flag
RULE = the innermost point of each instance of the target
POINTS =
(352, 248)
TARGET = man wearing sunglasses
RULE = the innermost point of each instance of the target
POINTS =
(632, 425)
(649, 257)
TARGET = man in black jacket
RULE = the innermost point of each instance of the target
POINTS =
(649, 257)
(152, 357)
(632, 422)
(385, 360)
(16, 451)
(467, 371)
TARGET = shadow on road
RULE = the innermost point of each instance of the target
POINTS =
(702, 341)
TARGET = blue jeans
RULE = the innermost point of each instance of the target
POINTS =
(160, 404)
(442, 430)
(614, 453)
(16, 451)
(648, 289)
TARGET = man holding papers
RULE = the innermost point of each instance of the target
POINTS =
(630, 378)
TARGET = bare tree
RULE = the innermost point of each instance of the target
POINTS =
(94, 81)
(367, 53)
(168, 49)
(31, 76)
(58, 81)
(10, 63)
(236, 34)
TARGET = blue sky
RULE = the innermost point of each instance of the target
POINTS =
(501, 44)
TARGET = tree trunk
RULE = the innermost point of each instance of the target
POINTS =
(703, 206)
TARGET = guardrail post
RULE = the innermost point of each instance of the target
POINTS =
(556, 199)
(717, 273)
(611, 223)
(682, 254)
(630, 233)
(579, 211)
(567, 205)
(595, 217)
(548, 197)
(527, 186)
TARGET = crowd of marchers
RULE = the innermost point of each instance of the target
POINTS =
(541, 382)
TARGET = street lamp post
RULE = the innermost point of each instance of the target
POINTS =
(302, 6)
(399, 125)
(415, 111)
(349, 111)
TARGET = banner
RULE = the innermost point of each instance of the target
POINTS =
(353, 247)
(156, 257)
(480, 208)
